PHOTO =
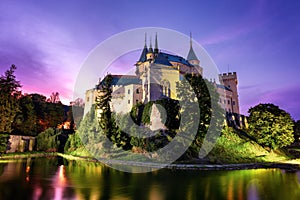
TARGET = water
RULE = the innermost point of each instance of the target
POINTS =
(56, 178)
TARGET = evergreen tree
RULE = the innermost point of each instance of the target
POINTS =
(103, 107)
(105, 118)
(9, 94)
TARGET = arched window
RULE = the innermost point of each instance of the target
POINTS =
(166, 88)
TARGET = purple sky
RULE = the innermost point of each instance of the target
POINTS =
(260, 40)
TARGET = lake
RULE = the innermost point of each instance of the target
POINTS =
(57, 178)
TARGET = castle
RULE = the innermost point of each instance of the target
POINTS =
(155, 77)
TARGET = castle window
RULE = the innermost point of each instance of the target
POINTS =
(137, 91)
(128, 101)
(128, 91)
(220, 100)
(88, 99)
(166, 88)
(228, 101)
(233, 102)
(224, 101)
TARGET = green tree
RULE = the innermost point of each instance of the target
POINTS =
(47, 140)
(297, 131)
(9, 94)
(48, 114)
(103, 108)
(194, 90)
(271, 126)
(26, 119)
(105, 118)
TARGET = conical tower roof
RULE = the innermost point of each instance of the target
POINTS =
(156, 44)
(143, 56)
(191, 54)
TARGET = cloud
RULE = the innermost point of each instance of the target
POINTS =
(287, 98)
(46, 55)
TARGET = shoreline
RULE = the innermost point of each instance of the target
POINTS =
(289, 167)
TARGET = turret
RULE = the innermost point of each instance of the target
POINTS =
(192, 58)
(143, 56)
(230, 81)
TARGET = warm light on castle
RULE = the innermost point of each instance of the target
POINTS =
(155, 78)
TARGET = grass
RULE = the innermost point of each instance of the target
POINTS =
(12, 157)
(233, 147)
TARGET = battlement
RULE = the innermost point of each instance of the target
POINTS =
(227, 76)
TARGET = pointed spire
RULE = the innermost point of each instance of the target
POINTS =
(156, 44)
(191, 54)
(150, 48)
(143, 56)
(191, 43)
(145, 40)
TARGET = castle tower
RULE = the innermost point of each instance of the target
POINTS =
(230, 80)
(192, 58)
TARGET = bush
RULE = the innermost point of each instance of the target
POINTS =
(271, 126)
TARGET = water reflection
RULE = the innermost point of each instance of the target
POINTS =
(52, 178)
(59, 183)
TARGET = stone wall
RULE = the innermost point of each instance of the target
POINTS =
(19, 143)
(236, 120)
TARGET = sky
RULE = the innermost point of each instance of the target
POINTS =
(49, 40)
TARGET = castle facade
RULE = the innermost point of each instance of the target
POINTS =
(156, 75)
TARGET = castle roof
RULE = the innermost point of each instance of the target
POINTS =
(125, 80)
(162, 59)
(191, 54)
(175, 58)
(165, 58)
(143, 57)
(224, 87)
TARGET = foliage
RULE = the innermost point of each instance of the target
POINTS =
(3, 142)
(47, 140)
(271, 126)
(297, 131)
(74, 142)
(8, 99)
(105, 118)
(172, 109)
(204, 95)
(232, 147)
(36, 114)
(102, 105)
(9, 93)
(117, 131)
(147, 112)
(26, 119)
